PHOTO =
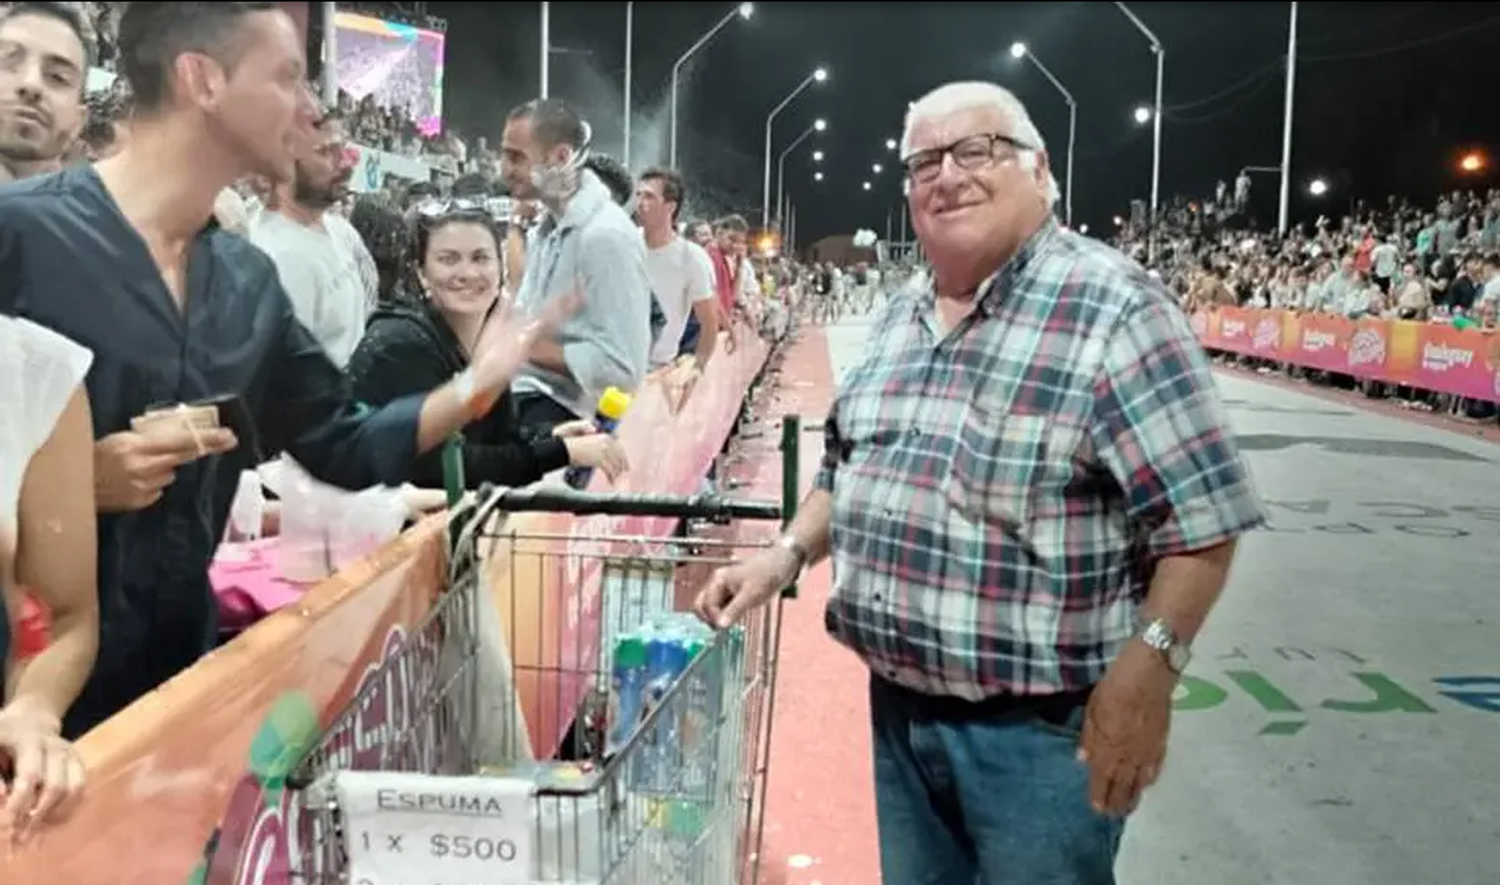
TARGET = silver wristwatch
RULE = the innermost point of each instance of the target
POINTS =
(1158, 635)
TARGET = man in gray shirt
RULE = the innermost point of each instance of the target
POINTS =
(322, 262)
(587, 245)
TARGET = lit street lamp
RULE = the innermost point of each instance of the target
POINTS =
(1018, 50)
(866, 185)
(1317, 187)
(890, 144)
(817, 76)
(817, 176)
(818, 126)
(817, 156)
(744, 11)
(876, 168)
(1143, 115)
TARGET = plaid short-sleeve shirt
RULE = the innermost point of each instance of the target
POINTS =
(1002, 489)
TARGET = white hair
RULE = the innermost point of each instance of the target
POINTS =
(968, 95)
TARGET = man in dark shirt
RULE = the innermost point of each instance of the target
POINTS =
(124, 258)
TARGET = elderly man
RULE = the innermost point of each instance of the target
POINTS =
(1031, 502)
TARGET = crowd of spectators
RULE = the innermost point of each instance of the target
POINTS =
(388, 126)
(1397, 259)
(1437, 263)
(415, 319)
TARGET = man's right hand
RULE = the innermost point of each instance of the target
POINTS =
(736, 590)
(132, 470)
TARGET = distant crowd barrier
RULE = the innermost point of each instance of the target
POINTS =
(1426, 356)
(187, 786)
(372, 165)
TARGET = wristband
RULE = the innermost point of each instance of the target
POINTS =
(475, 402)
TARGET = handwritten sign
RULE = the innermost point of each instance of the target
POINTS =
(414, 829)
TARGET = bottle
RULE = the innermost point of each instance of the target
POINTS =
(627, 692)
(663, 666)
(613, 403)
(695, 726)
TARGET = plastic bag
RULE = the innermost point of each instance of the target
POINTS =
(324, 529)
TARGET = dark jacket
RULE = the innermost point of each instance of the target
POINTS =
(410, 348)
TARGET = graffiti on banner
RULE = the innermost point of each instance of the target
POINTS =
(256, 843)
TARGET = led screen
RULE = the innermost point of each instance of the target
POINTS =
(401, 65)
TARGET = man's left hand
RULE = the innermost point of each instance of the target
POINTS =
(1125, 728)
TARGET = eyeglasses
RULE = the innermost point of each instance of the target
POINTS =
(436, 208)
(971, 154)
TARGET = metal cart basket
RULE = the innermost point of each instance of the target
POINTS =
(508, 756)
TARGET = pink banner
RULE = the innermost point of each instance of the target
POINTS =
(1456, 361)
(1428, 356)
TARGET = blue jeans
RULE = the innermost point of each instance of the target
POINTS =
(995, 796)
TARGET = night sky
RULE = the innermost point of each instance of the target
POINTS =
(1389, 95)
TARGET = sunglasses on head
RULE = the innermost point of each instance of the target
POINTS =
(436, 208)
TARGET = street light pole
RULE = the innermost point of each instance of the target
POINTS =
(1156, 114)
(629, 58)
(1284, 208)
(1019, 50)
(744, 10)
(1156, 109)
(1161, 63)
(816, 76)
(817, 126)
(546, 49)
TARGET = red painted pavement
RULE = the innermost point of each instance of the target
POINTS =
(820, 820)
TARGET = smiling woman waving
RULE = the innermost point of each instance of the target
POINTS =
(456, 266)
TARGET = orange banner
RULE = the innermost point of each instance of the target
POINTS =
(186, 786)
(229, 730)
(1426, 356)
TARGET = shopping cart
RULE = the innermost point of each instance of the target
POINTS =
(508, 762)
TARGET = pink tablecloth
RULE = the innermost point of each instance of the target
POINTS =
(246, 580)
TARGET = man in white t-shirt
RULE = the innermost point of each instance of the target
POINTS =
(318, 256)
(680, 271)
